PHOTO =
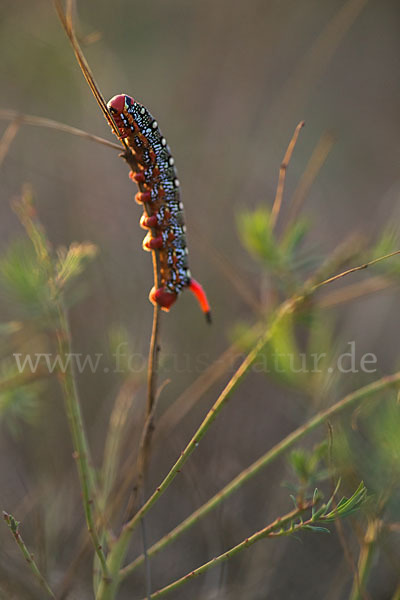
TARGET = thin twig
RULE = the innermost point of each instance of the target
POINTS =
(313, 167)
(146, 558)
(145, 443)
(282, 176)
(276, 451)
(8, 137)
(355, 291)
(368, 548)
(86, 474)
(266, 532)
(359, 268)
(24, 378)
(66, 21)
(14, 528)
(8, 114)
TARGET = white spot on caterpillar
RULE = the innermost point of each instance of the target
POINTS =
(163, 142)
(154, 124)
(188, 273)
(176, 182)
(180, 205)
(142, 110)
(184, 228)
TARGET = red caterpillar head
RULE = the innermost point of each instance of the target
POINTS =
(117, 107)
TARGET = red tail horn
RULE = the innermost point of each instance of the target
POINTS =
(200, 294)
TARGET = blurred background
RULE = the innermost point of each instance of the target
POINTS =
(228, 82)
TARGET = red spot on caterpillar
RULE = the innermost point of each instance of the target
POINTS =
(142, 197)
(152, 243)
(198, 291)
(163, 297)
(137, 177)
(148, 222)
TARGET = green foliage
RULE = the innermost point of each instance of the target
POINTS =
(308, 466)
(280, 357)
(32, 276)
(18, 405)
(257, 236)
(24, 281)
(294, 237)
(11, 522)
(324, 513)
(9, 328)
(370, 448)
(281, 257)
(71, 262)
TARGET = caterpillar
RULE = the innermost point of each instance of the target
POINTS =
(159, 192)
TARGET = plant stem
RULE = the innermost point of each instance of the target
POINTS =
(264, 461)
(14, 528)
(282, 176)
(269, 531)
(148, 426)
(81, 448)
(365, 560)
(9, 115)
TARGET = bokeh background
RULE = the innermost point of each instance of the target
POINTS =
(227, 81)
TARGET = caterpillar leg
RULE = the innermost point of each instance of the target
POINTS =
(148, 222)
(163, 297)
(152, 243)
(198, 291)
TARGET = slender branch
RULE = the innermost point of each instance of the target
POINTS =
(354, 291)
(14, 528)
(368, 548)
(269, 531)
(8, 137)
(23, 119)
(66, 22)
(282, 176)
(73, 410)
(396, 595)
(24, 378)
(311, 171)
(143, 459)
(359, 268)
(264, 461)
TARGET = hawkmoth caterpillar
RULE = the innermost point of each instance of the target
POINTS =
(160, 193)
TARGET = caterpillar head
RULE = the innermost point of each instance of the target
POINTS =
(118, 104)
(118, 107)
